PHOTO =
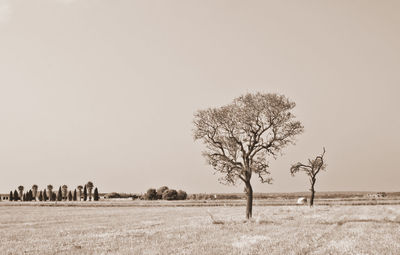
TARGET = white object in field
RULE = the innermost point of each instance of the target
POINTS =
(377, 195)
(302, 201)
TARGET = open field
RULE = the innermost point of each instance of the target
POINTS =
(190, 230)
(281, 199)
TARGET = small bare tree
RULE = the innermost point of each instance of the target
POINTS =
(312, 169)
(240, 136)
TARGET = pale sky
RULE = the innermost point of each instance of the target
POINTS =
(106, 90)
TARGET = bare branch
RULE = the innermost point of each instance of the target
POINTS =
(240, 136)
(314, 167)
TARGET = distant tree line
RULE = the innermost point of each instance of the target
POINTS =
(63, 194)
(164, 193)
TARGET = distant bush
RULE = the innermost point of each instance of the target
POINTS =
(160, 191)
(182, 195)
(53, 196)
(16, 196)
(45, 198)
(84, 193)
(117, 195)
(96, 196)
(170, 194)
(113, 195)
(29, 195)
(151, 194)
(163, 193)
(59, 194)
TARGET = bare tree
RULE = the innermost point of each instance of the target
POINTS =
(312, 169)
(240, 136)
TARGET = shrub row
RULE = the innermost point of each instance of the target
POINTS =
(164, 193)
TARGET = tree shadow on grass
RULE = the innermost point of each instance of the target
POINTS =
(232, 222)
(344, 221)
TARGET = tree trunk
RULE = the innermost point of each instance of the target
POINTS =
(249, 193)
(312, 195)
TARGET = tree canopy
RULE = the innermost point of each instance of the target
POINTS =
(239, 137)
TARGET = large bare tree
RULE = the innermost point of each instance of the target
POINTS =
(312, 169)
(239, 137)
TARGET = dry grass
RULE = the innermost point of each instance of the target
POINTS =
(276, 201)
(190, 230)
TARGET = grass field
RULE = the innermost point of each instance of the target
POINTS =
(373, 229)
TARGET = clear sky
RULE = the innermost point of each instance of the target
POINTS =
(106, 90)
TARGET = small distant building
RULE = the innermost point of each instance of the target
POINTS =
(4, 197)
(377, 195)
